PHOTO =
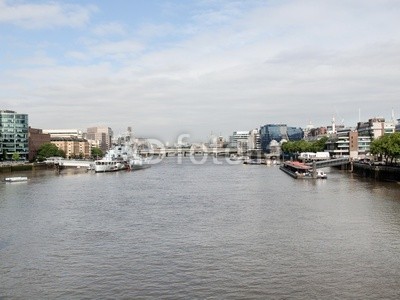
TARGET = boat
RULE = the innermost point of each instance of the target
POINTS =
(321, 175)
(251, 161)
(116, 159)
(109, 165)
(121, 157)
(235, 157)
(296, 169)
(16, 179)
(136, 162)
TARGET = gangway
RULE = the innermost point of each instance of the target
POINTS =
(74, 163)
(331, 162)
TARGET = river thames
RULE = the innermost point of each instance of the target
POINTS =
(199, 231)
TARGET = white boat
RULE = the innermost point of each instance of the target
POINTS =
(107, 165)
(116, 159)
(121, 157)
(16, 179)
(321, 175)
(235, 157)
(136, 162)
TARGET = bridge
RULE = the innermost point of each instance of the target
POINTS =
(188, 151)
(342, 161)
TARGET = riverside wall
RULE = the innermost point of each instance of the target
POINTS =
(378, 172)
(9, 168)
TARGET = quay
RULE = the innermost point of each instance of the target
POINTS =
(17, 167)
(377, 171)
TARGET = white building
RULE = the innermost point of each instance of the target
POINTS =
(254, 140)
(239, 140)
(64, 133)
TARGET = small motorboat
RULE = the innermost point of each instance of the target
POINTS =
(16, 179)
(321, 175)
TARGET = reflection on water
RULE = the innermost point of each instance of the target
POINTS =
(199, 231)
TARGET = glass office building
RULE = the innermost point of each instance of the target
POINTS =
(13, 135)
(278, 132)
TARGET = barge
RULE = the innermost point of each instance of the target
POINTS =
(299, 170)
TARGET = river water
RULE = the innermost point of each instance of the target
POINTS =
(181, 230)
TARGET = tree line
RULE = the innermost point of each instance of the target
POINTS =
(304, 146)
(50, 150)
(387, 147)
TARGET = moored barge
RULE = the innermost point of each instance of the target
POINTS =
(296, 169)
(300, 170)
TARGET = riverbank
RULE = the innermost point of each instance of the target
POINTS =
(17, 167)
(378, 172)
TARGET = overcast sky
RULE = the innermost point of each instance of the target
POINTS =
(172, 67)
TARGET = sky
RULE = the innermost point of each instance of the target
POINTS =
(167, 68)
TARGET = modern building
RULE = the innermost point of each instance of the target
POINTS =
(348, 142)
(254, 141)
(276, 133)
(375, 127)
(339, 142)
(13, 135)
(73, 147)
(356, 143)
(239, 140)
(102, 134)
(397, 127)
(36, 139)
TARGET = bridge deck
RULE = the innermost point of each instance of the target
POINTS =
(331, 162)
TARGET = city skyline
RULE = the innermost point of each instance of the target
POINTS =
(171, 67)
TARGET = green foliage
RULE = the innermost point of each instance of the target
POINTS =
(96, 152)
(304, 146)
(15, 156)
(49, 150)
(387, 146)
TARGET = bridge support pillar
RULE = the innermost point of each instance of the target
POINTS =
(314, 174)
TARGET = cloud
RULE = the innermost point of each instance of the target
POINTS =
(110, 29)
(222, 69)
(45, 15)
(116, 50)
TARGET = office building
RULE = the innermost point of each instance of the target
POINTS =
(239, 140)
(101, 136)
(277, 133)
(254, 141)
(13, 135)
(375, 127)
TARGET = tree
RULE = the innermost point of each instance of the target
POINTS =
(49, 150)
(304, 146)
(96, 152)
(319, 145)
(15, 156)
(387, 146)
